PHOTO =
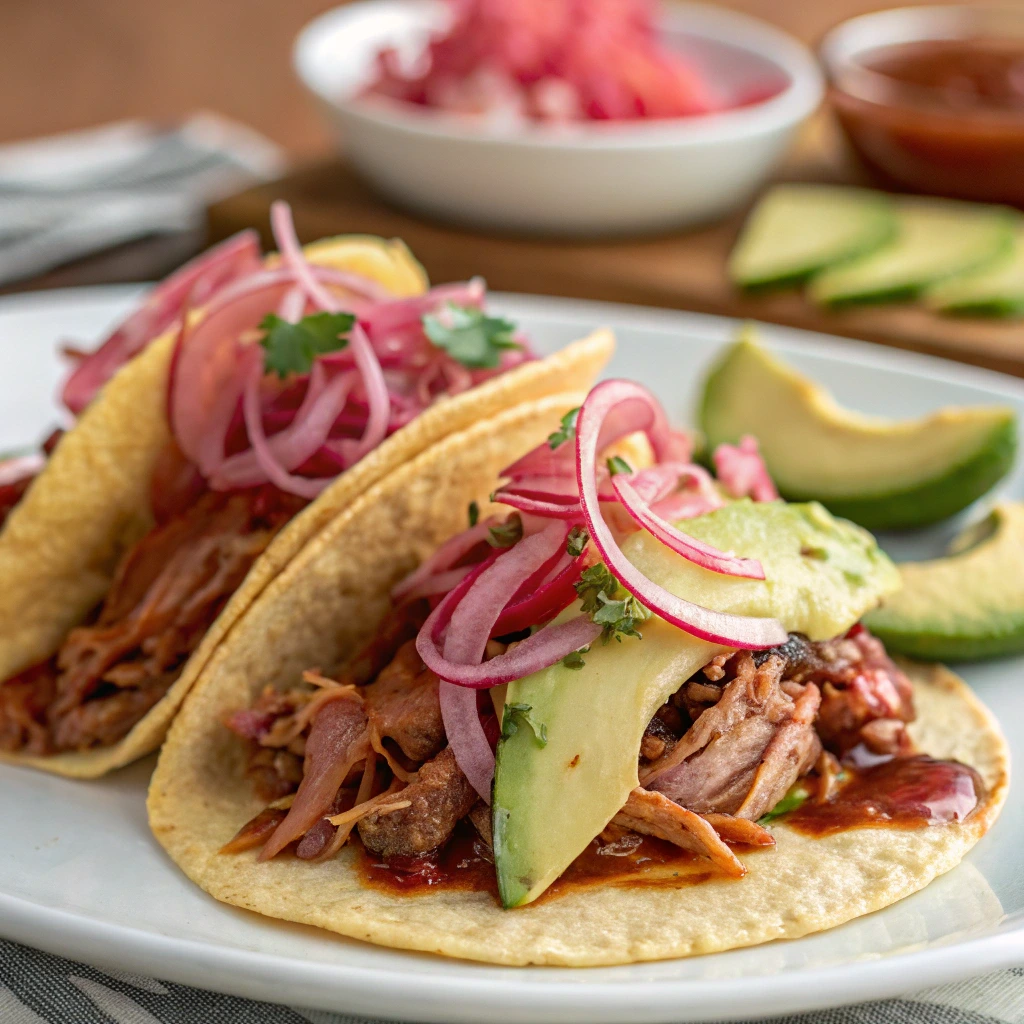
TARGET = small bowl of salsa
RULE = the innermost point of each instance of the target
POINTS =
(932, 98)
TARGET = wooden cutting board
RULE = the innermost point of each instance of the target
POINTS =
(681, 270)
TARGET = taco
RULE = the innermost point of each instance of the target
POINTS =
(628, 714)
(244, 406)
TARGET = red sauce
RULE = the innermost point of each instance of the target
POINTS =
(962, 74)
(905, 792)
(466, 864)
(940, 116)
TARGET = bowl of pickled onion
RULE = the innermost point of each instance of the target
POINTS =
(570, 117)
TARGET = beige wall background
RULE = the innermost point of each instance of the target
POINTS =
(72, 63)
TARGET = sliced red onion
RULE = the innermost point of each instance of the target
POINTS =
(535, 506)
(466, 736)
(306, 487)
(544, 461)
(439, 584)
(450, 552)
(742, 471)
(295, 444)
(293, 305)
(283, 226)
(696, 551)
(545, 648)
(473, 618)
(544, 602)
(197, 281)
(607, 399)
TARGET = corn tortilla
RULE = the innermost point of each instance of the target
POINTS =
(332, 595)
(61, 544)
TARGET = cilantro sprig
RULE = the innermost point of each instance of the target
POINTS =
(567, 430)
(473, 514)
(506, 534)
(516, 715)
(574, 659)
(616, 465)
(609, 604)
(577, 541)
(471, 336)
(293, 347)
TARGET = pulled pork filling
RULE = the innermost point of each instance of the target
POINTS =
(167, 591)
(368, 752)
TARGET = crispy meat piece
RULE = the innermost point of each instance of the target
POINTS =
(657, 740)
(403, 704)
(654, 814)
(740, 752)
(439, 798)
(166, 592)
(739, 830)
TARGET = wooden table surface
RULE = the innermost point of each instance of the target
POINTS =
(71, 63)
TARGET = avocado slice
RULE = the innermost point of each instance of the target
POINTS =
(797, 230)
(883, 474)
(936, 239)
(966, 606)
(551, 800)
(996, 290)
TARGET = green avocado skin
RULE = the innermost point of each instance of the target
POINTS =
(1006, 639)
(933, 501)
(922, 505)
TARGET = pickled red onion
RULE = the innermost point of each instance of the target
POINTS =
(696, 551)
(196, 283)
(714, 627)
(743, 472)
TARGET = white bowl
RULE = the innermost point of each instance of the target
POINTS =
(580, 179)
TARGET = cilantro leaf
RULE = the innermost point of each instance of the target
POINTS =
(618, 465)
(577, 540)
(790, 802)
(471, 336)
(574, 659)
(292, 348)
(506, 534)
(567, 431)
(515, 715)
(474, 513)
(609, 604)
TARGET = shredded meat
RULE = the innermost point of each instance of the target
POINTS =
(439, 798)
(404, 706)
(166, 592)
(654, 814)
(861, 689)
(740, 752)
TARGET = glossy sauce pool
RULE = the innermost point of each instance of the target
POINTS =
(905, 793)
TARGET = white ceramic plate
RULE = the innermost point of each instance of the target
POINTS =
(81, 876)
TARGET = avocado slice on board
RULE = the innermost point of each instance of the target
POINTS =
(797, 230)
(883, 474)
(966, 606)
(936, 239)
(996, 290)
(551, 800)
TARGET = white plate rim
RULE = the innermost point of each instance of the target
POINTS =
(425, 997)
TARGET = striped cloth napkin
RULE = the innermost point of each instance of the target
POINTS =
(68, 196)
(37, 988)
